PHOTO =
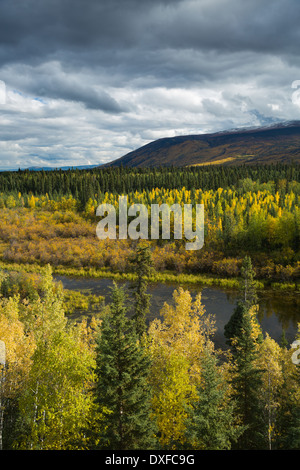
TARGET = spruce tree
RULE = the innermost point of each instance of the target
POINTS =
(212, 424)
(122, 389)
(246, 383)
(233, 327)
(288, 416)
(142, 264)
(248, 285)
(247, 298)
(243, 334)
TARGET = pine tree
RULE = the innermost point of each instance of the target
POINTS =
(122, 382)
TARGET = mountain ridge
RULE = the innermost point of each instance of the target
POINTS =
(266, 144)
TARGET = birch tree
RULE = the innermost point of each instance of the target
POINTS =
(176, 345)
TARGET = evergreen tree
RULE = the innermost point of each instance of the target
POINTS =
(288, 416)
(246, 383)
(283, 341)
(233, 327)
(292, 439)
(248, 287)
(212, 424)
(243, 335)
(248, 298)
(142, 264)
(122, 382)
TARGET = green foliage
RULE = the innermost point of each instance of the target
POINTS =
(142, 266)
(288, 413)
(251, 211)
(212, 424)
(248, 284)
(65, 390)
(246, 382)
(52, 404)
(122, 382)
(57, 404)
(244, 335)
(86, 184)
(96, 385)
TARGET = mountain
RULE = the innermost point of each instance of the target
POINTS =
(279, 143)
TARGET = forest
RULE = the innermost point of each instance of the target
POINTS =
(113, 382)
(84, 184)
(110, 380)
(248, 210)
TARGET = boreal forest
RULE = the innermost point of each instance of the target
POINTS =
(110, 378)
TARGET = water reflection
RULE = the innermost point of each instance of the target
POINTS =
(277, 311)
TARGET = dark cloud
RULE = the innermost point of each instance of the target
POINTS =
(233, 25)
(219, 24)
(93, 79)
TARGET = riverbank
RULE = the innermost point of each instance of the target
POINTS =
(161, 277)
(276, 313)
(88, 292)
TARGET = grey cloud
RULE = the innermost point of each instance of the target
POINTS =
(232, 25)
(70, 89)
(74, 25)
(136, 61)
(129, 39)
(49, 80)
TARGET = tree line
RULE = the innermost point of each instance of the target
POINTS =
(118, 382)
(84, 184)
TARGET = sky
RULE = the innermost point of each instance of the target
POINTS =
(83, 82)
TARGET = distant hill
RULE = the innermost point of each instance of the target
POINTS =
(279, 143)
(48, 168)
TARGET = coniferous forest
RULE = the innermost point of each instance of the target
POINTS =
(112, 379)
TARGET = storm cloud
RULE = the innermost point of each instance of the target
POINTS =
(87, 81)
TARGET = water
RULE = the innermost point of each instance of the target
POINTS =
(277, 311)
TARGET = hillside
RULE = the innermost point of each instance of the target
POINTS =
(275, 144)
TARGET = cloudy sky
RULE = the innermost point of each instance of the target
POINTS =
(86, 81)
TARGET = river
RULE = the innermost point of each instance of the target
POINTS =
(277, 311)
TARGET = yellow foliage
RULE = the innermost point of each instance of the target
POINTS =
(19, 347)
(176, 345)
